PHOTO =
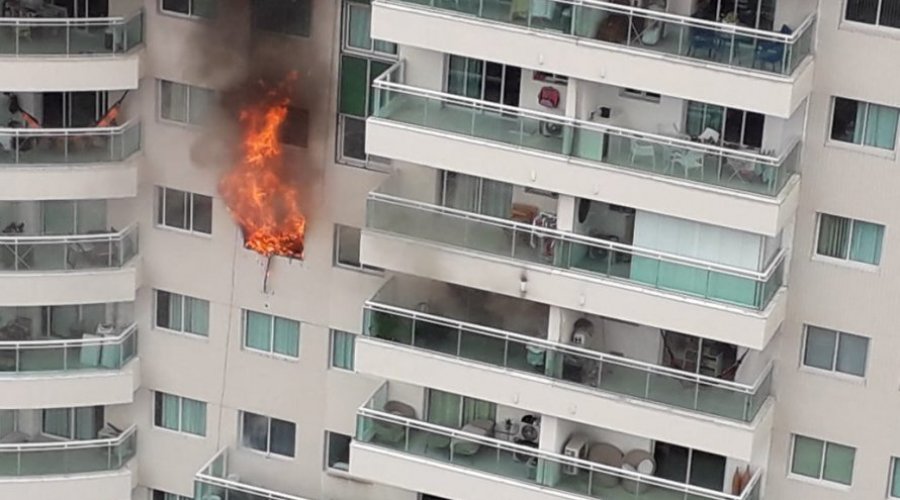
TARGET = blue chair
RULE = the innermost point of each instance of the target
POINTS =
(771, 52)
(703, 39)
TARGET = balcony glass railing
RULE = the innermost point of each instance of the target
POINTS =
(561, 250)
(68, 252)
(527, 465)
(67, 457)
(71, 355)
(646, 30)
(586, 142)
(74, 37)
(582, 367)
(73, 146)
(216, 481)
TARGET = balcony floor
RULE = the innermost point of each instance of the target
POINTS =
(504, 464)
(509, 130)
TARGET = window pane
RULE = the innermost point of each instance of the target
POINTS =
(338, 451)
(291, 17)
(287, 337)
(895, 478)
(176, 208)
(863, 11)
(180, 6)
(255, 431)
(193, 416)
(820, 345)
(377, 68)
(890, 14)
(866, 245)
(258, 334)
(202, 213)
(296, 127)
(358, 26)
(354, 71)
(196, 316)
(881, 125)
(807, 459)
(201, 102)
(173, 101)
(283, 435)
(168, 310)
(57, 422)
(847, 120)
(385, 47)
(167, 411)
(852, 352)
(160, 205)
(834, 236)
(205, 8)
(342, 349)
(839, 463)
(354, 132)
(348, 245)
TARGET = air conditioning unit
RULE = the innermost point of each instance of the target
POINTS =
(576, 447)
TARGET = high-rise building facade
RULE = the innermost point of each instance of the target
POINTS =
(553, 249)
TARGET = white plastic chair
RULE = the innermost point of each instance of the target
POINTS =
(643, 149)
(688, 160)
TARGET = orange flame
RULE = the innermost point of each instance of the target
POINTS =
(260, 197)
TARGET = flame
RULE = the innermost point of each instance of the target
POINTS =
(259, 195)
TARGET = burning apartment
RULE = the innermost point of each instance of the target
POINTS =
(447, 249)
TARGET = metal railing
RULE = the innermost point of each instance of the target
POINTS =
(68, 146)
(74, 37)
(568, 364)
(585, 142)
(68, 457)
(521, 463)
(573, 252)
(646, 30)
(68, 252)
(70, 355)
(214, 481)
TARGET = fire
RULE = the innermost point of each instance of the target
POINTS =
(259, 194)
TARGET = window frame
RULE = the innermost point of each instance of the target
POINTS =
(305, 32)
(640, 95)
(892, 472)
(190, 15)
(183, 330)
(861, 147)
(160, 219)
(245, 318)
(187, 102)
(820, 479)
(876, 25)
(332, 336)
(327, 466)
(833, 371)
(847, 261)
(268, 451)
(336, 253)
(157, 398)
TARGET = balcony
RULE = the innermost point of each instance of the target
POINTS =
(35, 164)
(220, 479)
(747, 190)
(95, 469)
(66, 54)
(73, 269)
(92, 369)
(467, 464)
(760, 70)
(466, 335)
(572, 271)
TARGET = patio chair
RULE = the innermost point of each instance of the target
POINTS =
(643, 149)
(770, 52)
(703, 39)
(689, 161)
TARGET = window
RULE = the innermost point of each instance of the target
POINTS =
(822, 460)
(183, 210)
(362, 60)
(483, 80)
(274, 334)
(295, 131)
(864, 123)
(337, 455)
(342, 346)
(640, 94)
(179, 414)
(184, 103)
(162, 495)
(735, 127)
(455, 411)
(894, 486)
(182, 313)
(346, 248)
(288, 17)
(835, 351)
(197, 8)
(73, 423)
(849, 239)
(877, 12)
(268, 435)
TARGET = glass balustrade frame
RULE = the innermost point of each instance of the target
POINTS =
(212, 480)
(71, 457)
(68, 146)
(71, 37)
(68, 253)
(71, 355)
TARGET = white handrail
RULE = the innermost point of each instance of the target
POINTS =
(41, 344)
(381, 82)
(63, 21)
(69, 445)
(577, 238)
(705, 380)
(70, 238)
(70, 131)
(207, 478)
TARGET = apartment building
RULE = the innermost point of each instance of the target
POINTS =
(562, 249)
